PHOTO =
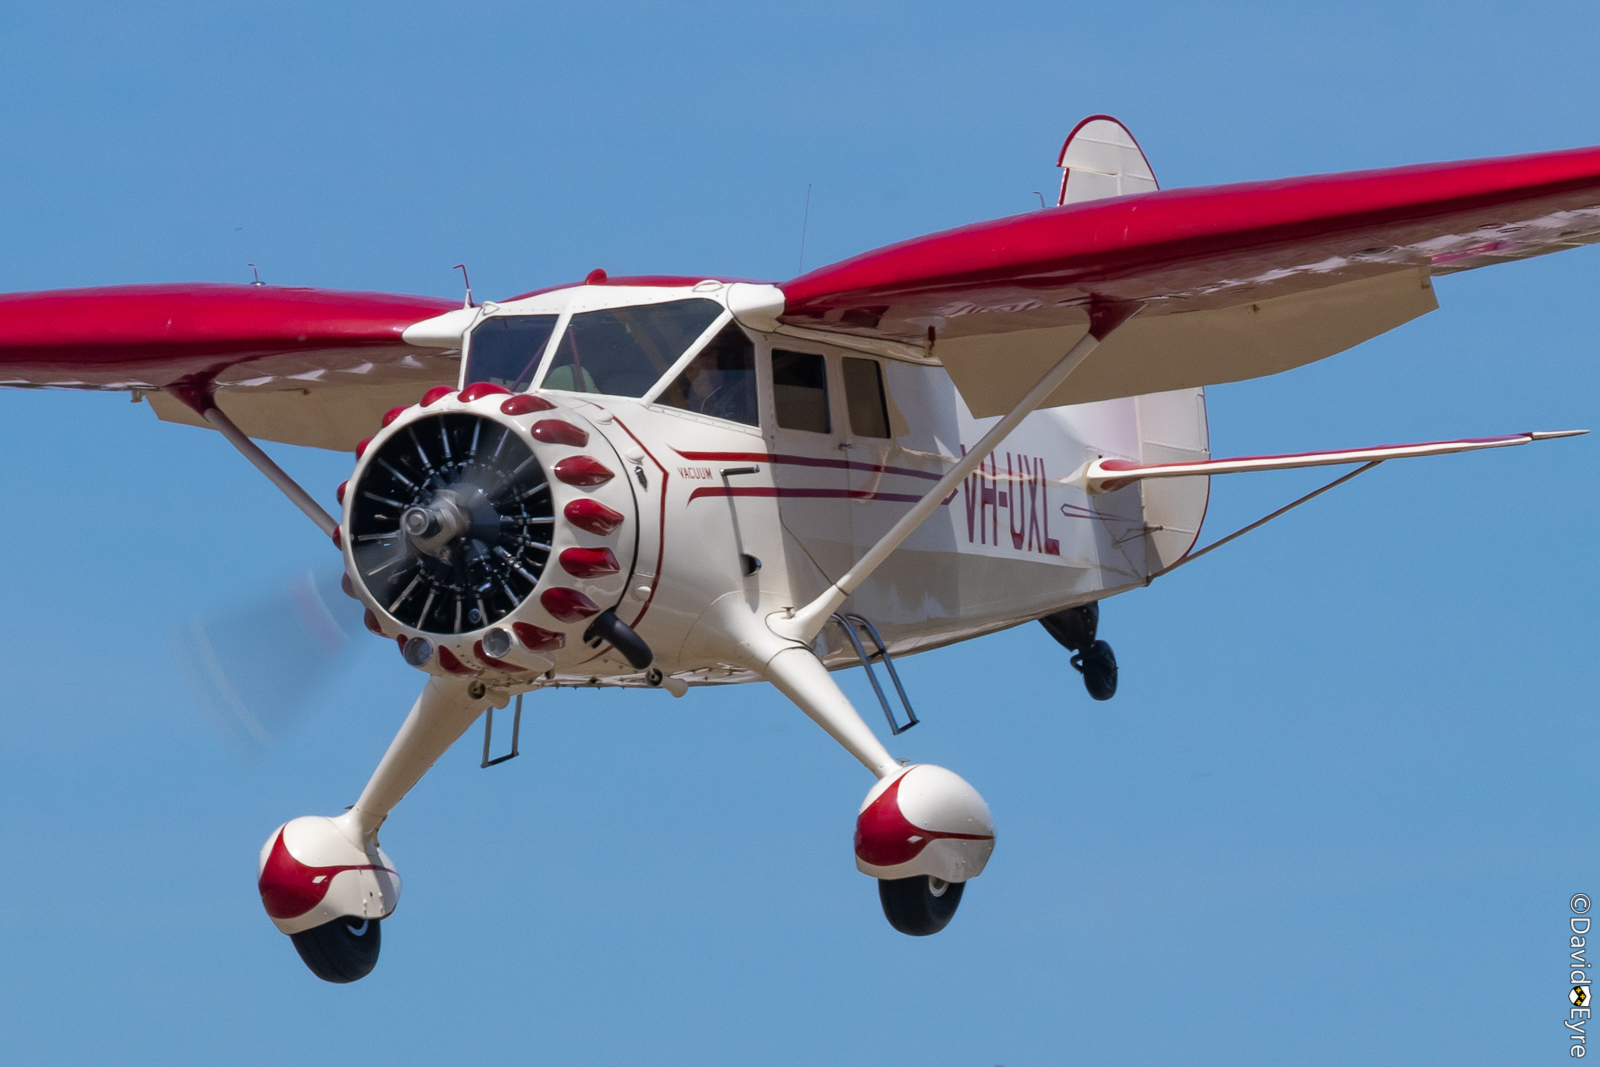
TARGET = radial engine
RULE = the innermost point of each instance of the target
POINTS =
(493, 536)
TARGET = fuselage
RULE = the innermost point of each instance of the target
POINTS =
(763, 464)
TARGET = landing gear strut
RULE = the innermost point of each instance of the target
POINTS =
(1075, 629)
(922, 832)
(325, 882)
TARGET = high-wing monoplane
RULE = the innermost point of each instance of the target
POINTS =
(672, 482)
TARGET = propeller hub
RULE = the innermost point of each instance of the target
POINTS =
(432, 526)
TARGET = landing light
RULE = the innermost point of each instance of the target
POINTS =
(418, 650)
(497, 642)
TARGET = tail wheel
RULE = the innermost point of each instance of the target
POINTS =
(921, 905)
(342, 951)
(1098, 665)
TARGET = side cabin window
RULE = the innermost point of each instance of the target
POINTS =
(720, 381)
(863, 395)
(506, 349)
(624, 351)
(800, 391)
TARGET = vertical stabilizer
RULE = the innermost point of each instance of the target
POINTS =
(1099, 159)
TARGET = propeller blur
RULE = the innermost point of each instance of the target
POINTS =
(253, 669)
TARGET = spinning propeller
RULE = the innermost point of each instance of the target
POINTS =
(253, 670)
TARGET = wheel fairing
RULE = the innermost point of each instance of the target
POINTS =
(924, 821)
(310, 873)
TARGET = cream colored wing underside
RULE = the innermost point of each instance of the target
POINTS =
(1155, 352)
(328, 416)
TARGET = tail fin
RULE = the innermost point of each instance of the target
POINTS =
(1099, 159)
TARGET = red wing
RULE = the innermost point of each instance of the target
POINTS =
(1235, 280)
(307, 366)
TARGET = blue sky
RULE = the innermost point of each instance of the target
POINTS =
(1334, 815)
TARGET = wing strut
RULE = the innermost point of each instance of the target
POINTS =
(803, 624)
(203, 402)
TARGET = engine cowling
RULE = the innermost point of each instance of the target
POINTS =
(490, 533)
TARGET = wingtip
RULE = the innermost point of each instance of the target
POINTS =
(1545, 435)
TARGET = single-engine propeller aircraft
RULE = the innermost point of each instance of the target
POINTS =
(670, 482)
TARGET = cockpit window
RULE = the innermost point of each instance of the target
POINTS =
(624, 351)
(720, 381)
(506, 349)
(800, 391)
(863, 396)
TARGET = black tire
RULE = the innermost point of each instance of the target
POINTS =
(913, 905)
(342, 951)
(1099, 667)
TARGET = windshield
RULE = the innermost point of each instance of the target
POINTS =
(506, 349)
(720, 381)
(624, 351)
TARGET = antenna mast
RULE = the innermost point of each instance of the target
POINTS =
(804, 222)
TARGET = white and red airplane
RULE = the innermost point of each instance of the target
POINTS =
(669, 482)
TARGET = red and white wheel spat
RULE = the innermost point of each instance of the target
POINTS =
(924, 820)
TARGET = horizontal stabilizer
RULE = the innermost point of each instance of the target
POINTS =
(1109, 475)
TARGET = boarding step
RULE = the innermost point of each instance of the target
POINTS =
(848, 623)
(488, 734)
